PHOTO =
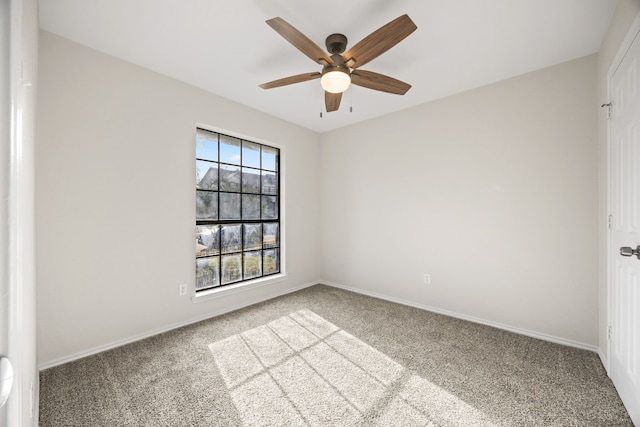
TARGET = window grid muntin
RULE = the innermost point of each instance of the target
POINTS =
(275, 248)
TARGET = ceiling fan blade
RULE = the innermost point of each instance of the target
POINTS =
(332, 101)
(291, 80)
(380, 41)
(380, 82)
(300, 41)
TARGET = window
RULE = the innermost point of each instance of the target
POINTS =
(237, 210)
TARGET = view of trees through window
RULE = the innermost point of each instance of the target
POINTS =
(237, 210)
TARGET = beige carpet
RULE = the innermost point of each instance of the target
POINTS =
(327, 357)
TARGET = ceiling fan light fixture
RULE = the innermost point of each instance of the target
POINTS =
(335, 80)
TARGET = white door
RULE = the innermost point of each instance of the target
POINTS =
(625, 230)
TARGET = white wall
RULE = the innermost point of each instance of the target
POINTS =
(624, 15)
(116, 203)
(493, 192)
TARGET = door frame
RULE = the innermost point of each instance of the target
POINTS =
(21, 409)
(632, 33)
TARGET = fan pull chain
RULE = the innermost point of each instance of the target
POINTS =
(351, 98)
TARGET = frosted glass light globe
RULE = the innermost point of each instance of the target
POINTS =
(335, 81)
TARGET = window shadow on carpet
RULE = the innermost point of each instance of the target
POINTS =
(303, 370)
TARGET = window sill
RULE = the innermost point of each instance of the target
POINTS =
(234, 289)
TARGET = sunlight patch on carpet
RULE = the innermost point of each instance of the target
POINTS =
(303, 370)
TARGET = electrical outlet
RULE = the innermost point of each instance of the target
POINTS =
(427, 278)
(182, 289)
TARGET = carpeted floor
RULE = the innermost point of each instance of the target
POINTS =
(327, 357)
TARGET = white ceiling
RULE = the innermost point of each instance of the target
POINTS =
(226, 48)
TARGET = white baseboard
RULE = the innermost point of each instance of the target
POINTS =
(119, 343)
(519, 331)
(129, 340)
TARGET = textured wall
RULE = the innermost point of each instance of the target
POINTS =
(493, 192)
(116, 199)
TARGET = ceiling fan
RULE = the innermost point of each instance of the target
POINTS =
(341, 68)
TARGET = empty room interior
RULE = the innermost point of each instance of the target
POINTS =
(450, 240)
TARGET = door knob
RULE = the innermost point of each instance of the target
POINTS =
(627, 251)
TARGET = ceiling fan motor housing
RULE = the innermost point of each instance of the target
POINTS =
(336, 43)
